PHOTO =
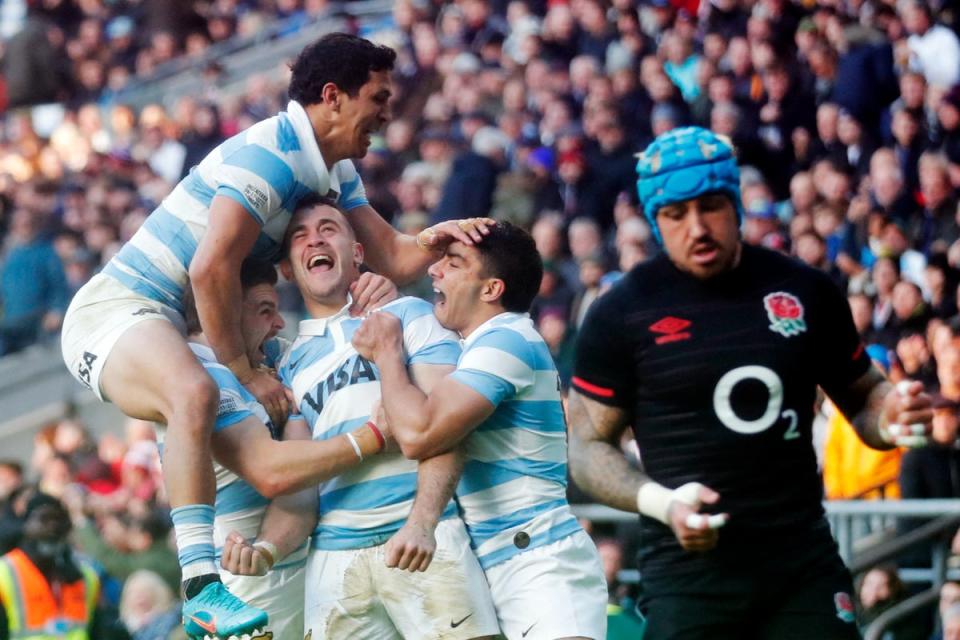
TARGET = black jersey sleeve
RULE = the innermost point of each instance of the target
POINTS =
(841, 358)
(603, 369)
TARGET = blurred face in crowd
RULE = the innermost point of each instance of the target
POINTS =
(47, 524)
(934, 183)
(701, 236)
(738, 55)
(948, 369)
(875, 588)
(811, 250)
(948, 115)
(884, 276)
(827, 117)
(862, 311)
(949, 595)
(777, 83)
(803, 193)
(906, 299)
(584, 239)
(914, 19)
(548, 238)
(553, 328)
(611, 556)
(913, 89)
(945, 423)
(11, 478)
(887, 184)
(912, 352)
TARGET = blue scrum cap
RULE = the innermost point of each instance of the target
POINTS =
(682, 164)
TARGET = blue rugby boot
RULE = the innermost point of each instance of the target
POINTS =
(217, 614)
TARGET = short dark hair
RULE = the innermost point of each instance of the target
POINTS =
(253, 271)
(340, 58)
(510, 254)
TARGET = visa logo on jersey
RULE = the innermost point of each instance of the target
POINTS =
(352, 371)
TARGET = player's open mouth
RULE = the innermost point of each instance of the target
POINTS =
(319, 263)
(438, 297)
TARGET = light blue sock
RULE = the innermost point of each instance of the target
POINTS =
(193, 525)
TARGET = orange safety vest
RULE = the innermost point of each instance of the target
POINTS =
(33, 612)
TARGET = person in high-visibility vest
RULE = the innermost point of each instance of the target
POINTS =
(45, 592)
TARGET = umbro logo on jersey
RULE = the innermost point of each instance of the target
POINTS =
(671, 329)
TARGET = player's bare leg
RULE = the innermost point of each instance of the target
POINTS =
(152, 374)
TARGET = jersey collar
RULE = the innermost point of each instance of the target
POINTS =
(501, 318)
(318, 326)
(326, 180)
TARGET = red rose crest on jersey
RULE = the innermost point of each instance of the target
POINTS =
(786, 313)
(844, 604)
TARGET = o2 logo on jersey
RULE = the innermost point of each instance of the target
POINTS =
(785, 312)
(728, 415)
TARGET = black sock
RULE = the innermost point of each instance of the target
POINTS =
(192, 586)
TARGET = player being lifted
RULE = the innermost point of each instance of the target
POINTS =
(123, 335)
(713, 352)
(502, 406)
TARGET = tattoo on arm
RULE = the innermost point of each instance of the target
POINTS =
(597, 464)
(862, 404)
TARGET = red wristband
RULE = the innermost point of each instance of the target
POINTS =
(381, 441)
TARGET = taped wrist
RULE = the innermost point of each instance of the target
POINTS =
(654, 499)
(268, 551)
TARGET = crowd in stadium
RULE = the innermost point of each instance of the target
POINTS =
(845, 115)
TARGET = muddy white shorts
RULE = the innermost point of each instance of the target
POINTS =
(98, 315)
(352, 594)
(554, 591)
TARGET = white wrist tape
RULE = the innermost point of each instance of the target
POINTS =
(270, 548)
(654, 500)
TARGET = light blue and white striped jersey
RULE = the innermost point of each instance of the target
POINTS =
(512, 493)
(268, 168)
(238, 507)
(336, 389)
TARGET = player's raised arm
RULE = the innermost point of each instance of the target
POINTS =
(215, 277)
(401, 257)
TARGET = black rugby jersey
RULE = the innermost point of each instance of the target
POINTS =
(719, 378)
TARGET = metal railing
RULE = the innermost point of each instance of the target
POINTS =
(864, 530)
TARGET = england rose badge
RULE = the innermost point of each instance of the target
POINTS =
(785, 312)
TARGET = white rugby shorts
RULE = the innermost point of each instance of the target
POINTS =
(98, 315)
(352, 594)
(279, 593)
(554, 591)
